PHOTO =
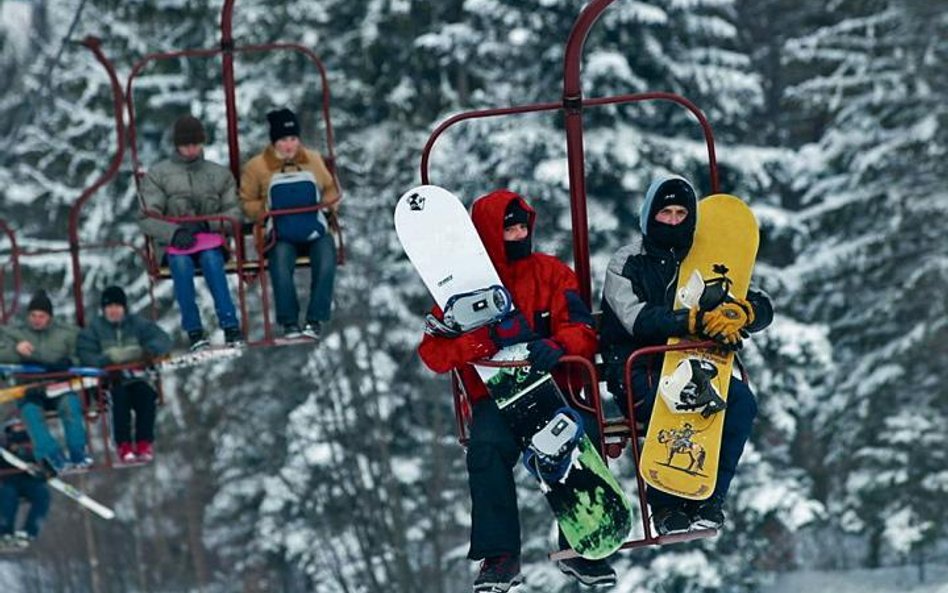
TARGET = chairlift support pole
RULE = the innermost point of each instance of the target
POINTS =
(94, 44)
(227, 74)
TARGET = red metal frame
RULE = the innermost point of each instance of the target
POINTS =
(8, 311)
(94, 44)
(572, 105)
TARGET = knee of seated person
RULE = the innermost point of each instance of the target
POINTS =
(484, 454)
(36, 397)
(741, 400)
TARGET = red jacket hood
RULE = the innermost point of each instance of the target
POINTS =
(488, 216)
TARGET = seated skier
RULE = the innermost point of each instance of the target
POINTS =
(637, 311)
(188, 185)
(118, 337)
(553, 319)
(286, 154)
(15, 486)
(47, 342)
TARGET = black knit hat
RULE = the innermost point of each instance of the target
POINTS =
(188, 130)
(113, 295)
(516, 214)
(283, 123)
(40, 302)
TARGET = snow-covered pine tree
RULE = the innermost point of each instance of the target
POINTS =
(871, 263)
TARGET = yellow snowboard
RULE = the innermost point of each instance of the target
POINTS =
(680, 455)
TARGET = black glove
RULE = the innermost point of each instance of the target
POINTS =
(183, 238)
(512, 329)
(59, 366)
(544, 354)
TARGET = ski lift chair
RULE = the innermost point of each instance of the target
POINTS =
(615, 433)
(248, 271)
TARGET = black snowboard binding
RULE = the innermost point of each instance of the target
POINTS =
(554, 449)
(699, 394)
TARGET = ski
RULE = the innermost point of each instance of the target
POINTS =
(59, 485)
(53, 388)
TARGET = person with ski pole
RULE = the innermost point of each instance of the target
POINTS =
(17, 485)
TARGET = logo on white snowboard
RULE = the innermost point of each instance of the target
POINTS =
(416, 202)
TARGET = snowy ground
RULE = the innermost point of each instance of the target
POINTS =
(884, 580)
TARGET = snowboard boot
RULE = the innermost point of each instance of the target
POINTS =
(198, 340)
(52, 465)
(23, 539)
(144, 451)
(233, 336)
(592, 573)
(498, 574)
(670, 520)
(708, 514)
(126, 453)
(312, 330)
(291, 331)
(78, 463)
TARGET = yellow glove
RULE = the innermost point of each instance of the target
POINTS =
(727, 320)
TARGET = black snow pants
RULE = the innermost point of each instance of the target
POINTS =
(138, 397)
(492, 453)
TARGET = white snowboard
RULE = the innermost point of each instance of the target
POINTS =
(436, 232)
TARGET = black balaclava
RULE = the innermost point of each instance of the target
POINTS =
(673, 191)
(516, 214)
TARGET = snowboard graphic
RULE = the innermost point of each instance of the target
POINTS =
(439, 238)
(680, 454)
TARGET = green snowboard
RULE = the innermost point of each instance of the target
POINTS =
(593, 512)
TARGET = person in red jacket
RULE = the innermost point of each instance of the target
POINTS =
(554, 321)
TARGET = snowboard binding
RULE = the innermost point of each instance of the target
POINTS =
(470, 310)
(705, 295)
(554, 449)
(689, 389)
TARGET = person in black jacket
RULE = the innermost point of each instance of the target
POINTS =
(637, 311)
(17, 485)
(115, 338)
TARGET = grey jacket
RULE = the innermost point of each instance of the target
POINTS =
(103, 343)
(175, 187)
(53, 346)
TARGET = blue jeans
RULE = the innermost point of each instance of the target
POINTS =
(183, 268)
(45, 446)
(281, 259)
(36, 493)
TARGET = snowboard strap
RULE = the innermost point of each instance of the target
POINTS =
(470, 310)
(436, 327)
(554, 450)
(689, 388)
